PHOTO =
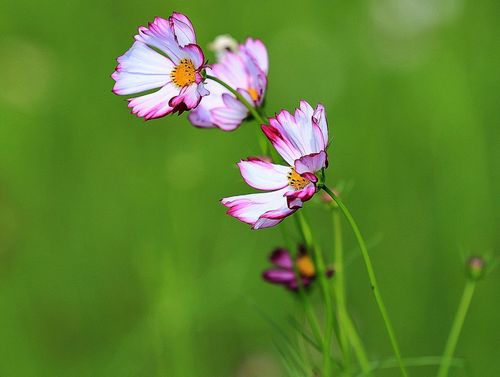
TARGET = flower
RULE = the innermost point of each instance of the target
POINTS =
(301, 140)
(243, 68)
(164, 56)
(284, 271)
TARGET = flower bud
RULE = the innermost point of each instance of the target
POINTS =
(476, 267)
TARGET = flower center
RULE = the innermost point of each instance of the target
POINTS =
(253, 94)
(184, 73)
(296, 181)
(305, 266)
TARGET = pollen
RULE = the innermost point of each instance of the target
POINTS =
(305, 266)
(253, 94)
(184, 74)
(296, 181)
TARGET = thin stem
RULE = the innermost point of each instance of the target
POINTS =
(321, 273)
(264, 145)
(308, 309)
(456, 328)
(422, 361)
(242, 99)
(357, 345)
(339, 287)
(348, 332)
(372, 278)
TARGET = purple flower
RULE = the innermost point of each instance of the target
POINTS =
(283, 273)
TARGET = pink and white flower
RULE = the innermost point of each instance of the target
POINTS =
(301, 139)
(244, 68)
(164, 56)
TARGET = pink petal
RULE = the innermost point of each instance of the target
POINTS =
(278, 276)
(194, 53)
(295, 199)
(183, 28)
(189, 97)
(263, 175)
(160, 35)
(311, 163)
(286, 150)
(296, 135)
(282, 258)
(154, 105)
(256, 48)
(319, 117)
(231, 69)
(259, 210)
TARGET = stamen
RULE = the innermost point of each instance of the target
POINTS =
(253, 94)
(296, 181)
(305, 266)
(184, 74)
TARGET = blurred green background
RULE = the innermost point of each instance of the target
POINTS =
(116, 258)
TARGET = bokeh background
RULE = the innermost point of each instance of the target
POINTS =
(116, 258)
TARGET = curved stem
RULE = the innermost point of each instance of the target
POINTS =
(372, 278)
(242, 99)
(451, 343)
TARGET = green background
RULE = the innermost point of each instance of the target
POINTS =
(116, 258)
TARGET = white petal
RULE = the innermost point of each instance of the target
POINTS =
(264, 175)
(250, 208)
(141, 69)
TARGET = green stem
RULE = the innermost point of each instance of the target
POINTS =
(456, 328)
(308, 309)
(321, 273)
(339, 287)
(422, 361)
(253, 110)
(242, 99)
(372, 278)
(357, 345)
(348, 332)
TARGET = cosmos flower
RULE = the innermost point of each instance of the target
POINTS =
(164, 56)
(243, 67)
(301, 139)
(283, 272)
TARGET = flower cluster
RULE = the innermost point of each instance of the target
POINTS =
(166, 57)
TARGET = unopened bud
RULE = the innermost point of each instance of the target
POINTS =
(475, 267)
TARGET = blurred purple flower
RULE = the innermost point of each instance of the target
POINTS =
(283, 273)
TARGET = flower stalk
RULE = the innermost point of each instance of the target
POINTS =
(456, 328)
(240, 98)
(347, 332)
(372, 278)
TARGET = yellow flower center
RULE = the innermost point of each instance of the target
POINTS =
(305, 266)
(184, 73)
(296, 181)
(253, 94)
